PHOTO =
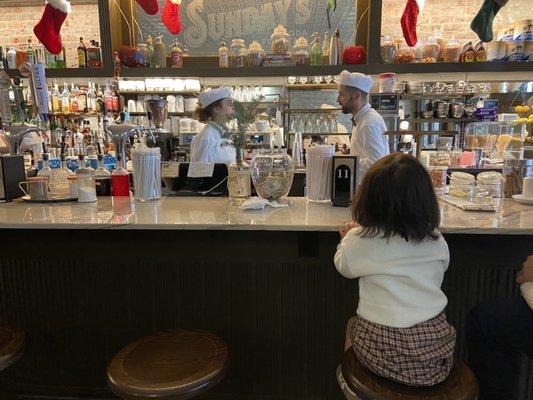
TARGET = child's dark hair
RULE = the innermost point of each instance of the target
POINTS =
(205, 114)
(396, 197)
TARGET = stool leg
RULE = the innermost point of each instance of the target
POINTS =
(344, 387)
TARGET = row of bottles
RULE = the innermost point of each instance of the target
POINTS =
(152, 54)
(80, 99)
(88, 57)
(85, 182)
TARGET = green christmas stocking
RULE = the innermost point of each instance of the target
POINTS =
(482, 22)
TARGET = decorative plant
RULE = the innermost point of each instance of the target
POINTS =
(235, 135)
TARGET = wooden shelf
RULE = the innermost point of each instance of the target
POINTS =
(215, 72)
(85, 73)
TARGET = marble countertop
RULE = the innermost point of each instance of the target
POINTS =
(193, 213)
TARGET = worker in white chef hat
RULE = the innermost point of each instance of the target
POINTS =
(367, 141)
(206, 146)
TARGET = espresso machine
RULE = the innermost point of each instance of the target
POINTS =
(156, 111)
(12, 170)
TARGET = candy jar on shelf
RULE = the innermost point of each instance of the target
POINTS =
(300, 51)
(280, 41)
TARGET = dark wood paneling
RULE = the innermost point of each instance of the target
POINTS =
(82, 295)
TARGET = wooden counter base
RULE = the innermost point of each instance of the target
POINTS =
(274, 297)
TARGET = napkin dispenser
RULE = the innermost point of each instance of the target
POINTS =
(344, 170)
(11, 174)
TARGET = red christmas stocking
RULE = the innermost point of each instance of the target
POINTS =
(48, 28)
(150, 7)
(171, 16)
(408, 20)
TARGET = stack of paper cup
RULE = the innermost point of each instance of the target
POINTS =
(318, 176)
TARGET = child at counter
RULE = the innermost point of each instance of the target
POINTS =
(395, 249)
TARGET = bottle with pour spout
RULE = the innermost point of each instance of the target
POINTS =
(336, 49)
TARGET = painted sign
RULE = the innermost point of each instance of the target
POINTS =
(207, 22)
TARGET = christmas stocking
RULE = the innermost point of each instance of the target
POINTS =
(482, 22)
(408, 20)
(150, 7)
(48, 28)
(171, 16)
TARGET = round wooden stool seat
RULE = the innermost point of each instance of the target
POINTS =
(11, 345)
(461, 384)
(172, 365)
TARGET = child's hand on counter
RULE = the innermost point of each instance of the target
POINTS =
(344, 229)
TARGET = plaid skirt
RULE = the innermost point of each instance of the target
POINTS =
(421, 355)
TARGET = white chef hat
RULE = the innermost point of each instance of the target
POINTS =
(210, 96)
(357, 80)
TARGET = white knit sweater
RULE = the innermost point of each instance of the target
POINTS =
(400, 281)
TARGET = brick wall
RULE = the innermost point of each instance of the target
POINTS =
(16, 27)
(452, 17)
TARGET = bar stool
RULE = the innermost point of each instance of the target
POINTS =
(461, 384)
(171, 365)
(12, 342)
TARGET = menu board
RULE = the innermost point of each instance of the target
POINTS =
(207, 22)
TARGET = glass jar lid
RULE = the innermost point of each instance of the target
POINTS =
(463, 178)
(280, 31)
(256, 47)
(489, 177)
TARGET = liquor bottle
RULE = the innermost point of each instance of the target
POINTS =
(150, 51)
(120, 179)
(91, 99)
(40, 56)
(103, 178)
(336, 49)
(61, 59)
(56, 99)
(223, 56)
(2, 59)
(30, 53)
(325, 49)
(82, 98)
(65, 99)
(160, 53)
(11, 58)
(99, 55)
(316, 50)
(71, 160)
(45, 171)
(108, 98)
(82, 54)
(22, 56)
(116, 102)
(50, 59)
(73, 100)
